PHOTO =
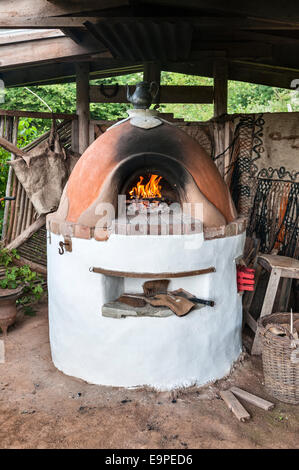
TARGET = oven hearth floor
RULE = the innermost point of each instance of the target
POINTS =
(120, 310)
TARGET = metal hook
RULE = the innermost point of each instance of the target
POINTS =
(61, 248)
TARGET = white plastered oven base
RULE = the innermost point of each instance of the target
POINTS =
(164, 353)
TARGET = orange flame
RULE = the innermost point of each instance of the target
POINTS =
(151, 189)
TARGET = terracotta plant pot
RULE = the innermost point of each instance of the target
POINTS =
(8, 309)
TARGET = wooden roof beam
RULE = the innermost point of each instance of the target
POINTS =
(274, 9)
(45, 74)
(239, 71)
(204, 23)
(46, 50)
(14, 38)
(168, 94)
(46, 8)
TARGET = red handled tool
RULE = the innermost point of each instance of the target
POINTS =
(245, 278)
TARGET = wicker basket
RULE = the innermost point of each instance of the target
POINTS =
(280, 358)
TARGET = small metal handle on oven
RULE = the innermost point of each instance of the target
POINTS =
(65, 246)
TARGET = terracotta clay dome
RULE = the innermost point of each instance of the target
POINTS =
(109, 161)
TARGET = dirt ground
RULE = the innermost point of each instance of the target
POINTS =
(41, 407)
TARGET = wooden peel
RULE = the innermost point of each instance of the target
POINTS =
(159, 286)
(132, 300)
(192, 298)
(179, 305)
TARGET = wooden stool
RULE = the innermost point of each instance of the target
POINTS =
(279, 267)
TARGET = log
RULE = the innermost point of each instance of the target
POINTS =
(27, 233)
(33, 266)
(235, 406)
(11, 147)
(37, 114)
(253, 399)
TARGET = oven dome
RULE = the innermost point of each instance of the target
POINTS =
(144, 141)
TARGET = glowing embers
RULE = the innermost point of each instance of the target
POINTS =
(151, 190)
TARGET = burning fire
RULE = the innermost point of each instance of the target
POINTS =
(149, 190)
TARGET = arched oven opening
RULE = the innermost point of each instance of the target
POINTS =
(151, 181)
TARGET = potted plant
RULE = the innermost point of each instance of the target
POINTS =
(18, 285)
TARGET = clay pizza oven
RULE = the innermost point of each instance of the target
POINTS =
(144, 202)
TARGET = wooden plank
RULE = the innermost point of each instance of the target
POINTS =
(12, 9)
(235, 406)
(279, 262)
(267, 307)
(250, 49)
(109, 272)
(27, 233)
(36, 114)
(255, 8)
(251, 322)
(82, 95)
(65, 72)
(266, 75)
(238, 70)
(220, 87)
(21, 210)
(14, 136)
(27, 200)
(168, 94)
(205, 23)
(21, 36)
(46, 50)
(271, 292)
(253, 399)
(91, 132)
(17, 209)
(74, 138)
(238, 36)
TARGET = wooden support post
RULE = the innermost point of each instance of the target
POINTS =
(15, 126)
(267, 307)
(152, 73)
(82, 83)
(74, 137)
(220, 87)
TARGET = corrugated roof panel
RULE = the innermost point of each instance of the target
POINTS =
(144, 40)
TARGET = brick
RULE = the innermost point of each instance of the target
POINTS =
(82, 231)
(55, 227)
(67, 229)
(214, 232)
(231, 229)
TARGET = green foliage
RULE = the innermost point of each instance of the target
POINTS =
(16, 276)
(242, 98)
(7, 256)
